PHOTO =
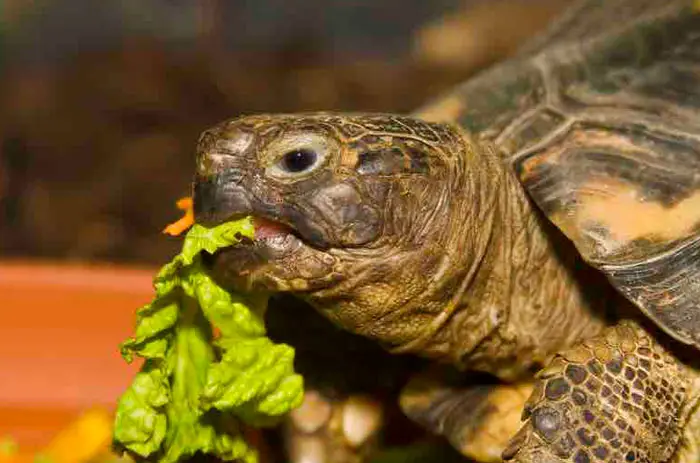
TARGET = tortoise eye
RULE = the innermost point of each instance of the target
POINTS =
(298, 160)
(297, 156)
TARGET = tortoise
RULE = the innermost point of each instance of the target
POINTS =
(539, 224)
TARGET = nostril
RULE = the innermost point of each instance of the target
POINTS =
(231, 178)
(217, 199)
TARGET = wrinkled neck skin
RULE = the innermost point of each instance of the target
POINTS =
(474, 280)
(530, 296)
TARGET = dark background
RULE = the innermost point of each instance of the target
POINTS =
(101, 102)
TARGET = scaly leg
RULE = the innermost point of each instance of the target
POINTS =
(477, 419)
(620, 397)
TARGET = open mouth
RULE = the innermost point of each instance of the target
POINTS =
(269, 229)
(272, 239)
(270, 232)
(278, 258)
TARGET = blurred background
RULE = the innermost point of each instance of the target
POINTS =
(102, 101)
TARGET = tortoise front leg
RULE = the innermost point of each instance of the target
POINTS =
(333, 429)
(619, 397)
(477, 419)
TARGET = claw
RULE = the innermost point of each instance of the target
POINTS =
(362, 418)
(333, 430)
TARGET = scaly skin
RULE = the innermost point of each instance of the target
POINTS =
(477, 418)
(411, 234)
(459, 266)
(621, 396)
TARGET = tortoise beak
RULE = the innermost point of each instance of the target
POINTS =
(220, 197)
(217, 199)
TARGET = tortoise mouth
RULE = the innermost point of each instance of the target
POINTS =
(276, 234)
(277, 259)
(267, 229)
(273, 241)
(217, 200)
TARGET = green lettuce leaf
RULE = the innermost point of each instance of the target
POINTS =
(195, 393)
(140, 424)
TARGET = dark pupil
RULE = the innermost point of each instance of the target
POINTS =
(298, 160)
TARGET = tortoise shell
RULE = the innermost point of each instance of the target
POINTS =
(600, 120)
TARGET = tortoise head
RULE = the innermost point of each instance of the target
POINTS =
(360, 215)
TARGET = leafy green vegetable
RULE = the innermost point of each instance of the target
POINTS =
(195, 392)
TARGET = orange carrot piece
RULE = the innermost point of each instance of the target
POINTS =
(187, 220)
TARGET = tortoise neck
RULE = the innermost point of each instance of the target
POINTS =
(526, 294)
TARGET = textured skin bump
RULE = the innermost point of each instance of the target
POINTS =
(618, 397)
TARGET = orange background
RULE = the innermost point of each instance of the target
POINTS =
(59, 334)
